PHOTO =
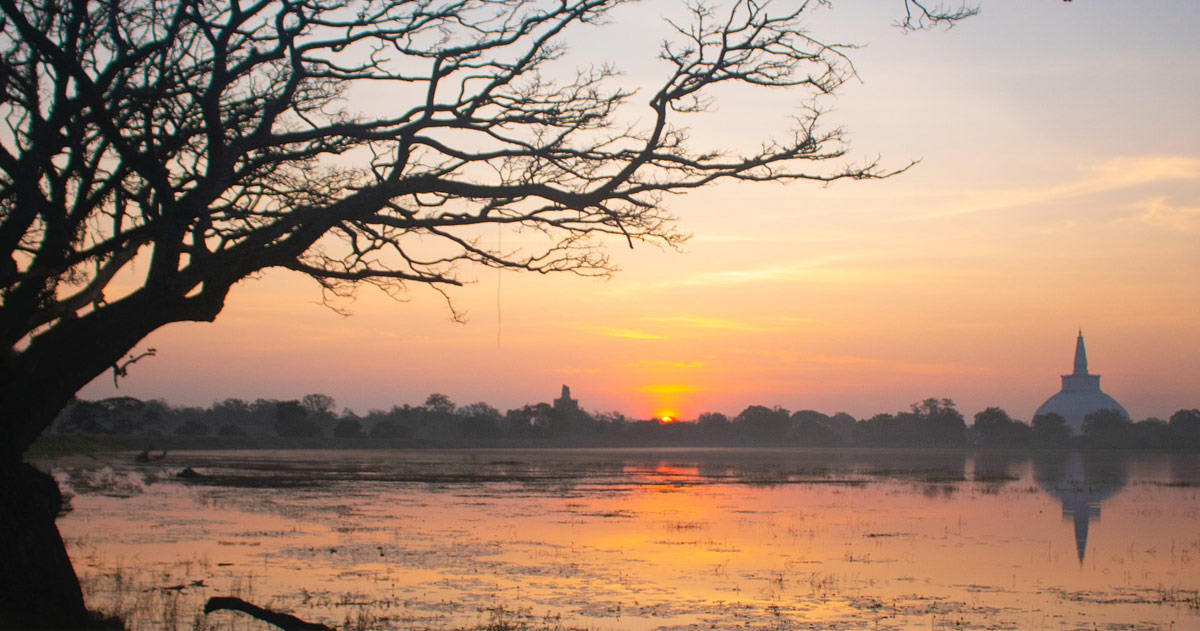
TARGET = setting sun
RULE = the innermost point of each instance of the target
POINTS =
(666, 419)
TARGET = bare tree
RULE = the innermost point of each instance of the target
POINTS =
(195, 143)
(919, 15)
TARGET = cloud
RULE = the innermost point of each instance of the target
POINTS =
(827, 268)
(821, 268)
(754, 275)
(798, 320)
(701, 322)
(833, 269)
(1160, 212)
(1111, 175)
(880, 364)
(668, 388)
(677, 322)
(659, 363)
(628, 334)
(574, 371)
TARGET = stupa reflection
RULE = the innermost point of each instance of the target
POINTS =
(1081, 481)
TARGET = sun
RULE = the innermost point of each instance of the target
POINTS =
(666, 419)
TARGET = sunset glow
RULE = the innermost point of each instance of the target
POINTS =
(617, 315)
(1045, 200)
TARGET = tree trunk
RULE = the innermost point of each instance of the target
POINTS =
(38, 587)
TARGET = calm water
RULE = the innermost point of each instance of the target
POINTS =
(642, 540)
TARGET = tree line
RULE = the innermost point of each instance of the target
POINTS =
(932, 422)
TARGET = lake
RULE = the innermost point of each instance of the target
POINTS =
(641, 540)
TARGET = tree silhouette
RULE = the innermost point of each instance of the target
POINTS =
(193, 145)
(813, 429)
(1051, 431)
(206, 142)
(321, 404)
(439, 403)
(1186, 426)
(995, 428)
(348, 428)
(761, 423)
(1108, 428)
(292, 420)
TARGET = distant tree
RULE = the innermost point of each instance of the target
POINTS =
(714, 427)
(529, 421)
(712, 418)
(264, 407)
(291, 420)
(842, 425)
(233, 412)
(348, 428)
(1185, 425)
(154, 416)
(612, 418)
(391, 430)
(437, 419)
(881, 430)
(192, 428)
(125, 415)
(809, 416)
(480, 421)
(1050, 431)
(79, 417)
(760, 423)
(479, 428)
(439, 404)
(939, 424)
(1107, 429)
(1153, 433)
(480, 410)
(230, 430)
(321, 413)
(115, 415)
(995, 428)
(232, 409)
(318, 404)
(812, 428)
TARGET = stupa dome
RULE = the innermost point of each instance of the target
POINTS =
(1080, 394)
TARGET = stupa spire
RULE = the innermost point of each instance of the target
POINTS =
(1080, 394)
(1080, 355)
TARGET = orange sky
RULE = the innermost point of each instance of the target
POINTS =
(1059, 188)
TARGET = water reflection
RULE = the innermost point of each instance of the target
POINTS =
(651, 540)
(1081, 481)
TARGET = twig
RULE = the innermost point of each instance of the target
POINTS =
(121, 369)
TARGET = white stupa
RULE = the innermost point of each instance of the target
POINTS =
(1080, 394)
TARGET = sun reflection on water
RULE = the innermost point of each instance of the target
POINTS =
(646, 540)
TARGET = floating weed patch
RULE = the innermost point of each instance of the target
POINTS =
(990, 477)
(685, 525)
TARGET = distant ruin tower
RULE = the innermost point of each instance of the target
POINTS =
(565, 403)
(1080, 394)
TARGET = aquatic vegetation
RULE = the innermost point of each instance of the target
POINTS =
(631, 541)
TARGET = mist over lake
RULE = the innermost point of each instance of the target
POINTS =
(641, 540)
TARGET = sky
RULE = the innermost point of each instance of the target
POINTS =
(1057, 189)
